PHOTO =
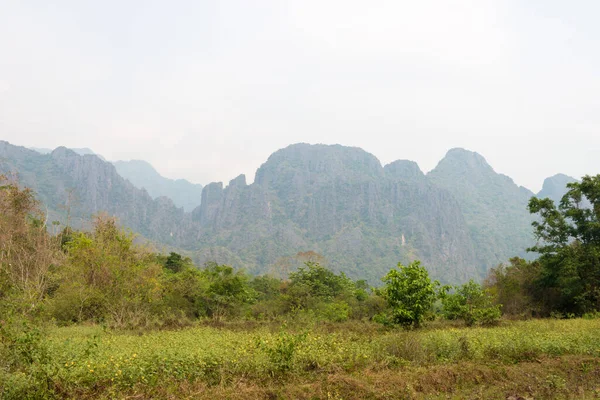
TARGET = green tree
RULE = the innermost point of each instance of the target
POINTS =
(227, 291)
(514, 287)
(569, 247)
(184, 294)
(313, 280)
(175, 262)
(107, 277)
(470, 303)
(410, 294)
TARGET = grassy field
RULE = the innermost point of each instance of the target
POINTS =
(532, 359)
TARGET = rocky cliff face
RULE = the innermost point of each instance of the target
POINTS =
(460, 219)
(78, 187)
(342, 203)
(494, 207)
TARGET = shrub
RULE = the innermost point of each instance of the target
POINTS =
(409, 293)
(470, 303)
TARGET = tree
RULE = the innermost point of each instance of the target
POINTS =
(107, 277)
(569, 247)
(29, 256)
(514, 287)
(176, 263)
(471, 303)
(314, 280)
(410, 294)
(227, 290)
(331, 296)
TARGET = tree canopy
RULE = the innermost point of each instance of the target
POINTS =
(569, 247)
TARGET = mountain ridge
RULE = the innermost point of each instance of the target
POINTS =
(143, 175)
(460, 219)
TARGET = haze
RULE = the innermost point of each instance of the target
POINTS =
(205, 90)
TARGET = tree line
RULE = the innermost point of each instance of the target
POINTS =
(103, 276)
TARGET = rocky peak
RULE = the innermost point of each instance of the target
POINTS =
(239, 181)
(317, 163)
(404, 170)
(459, 161)
(555, 187)
(136, 167)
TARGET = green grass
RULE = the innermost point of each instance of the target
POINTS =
(86, 361)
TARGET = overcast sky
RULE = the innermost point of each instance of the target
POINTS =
(206, 90)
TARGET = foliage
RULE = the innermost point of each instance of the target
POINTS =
(513, 286)
(107, 278)
(184, 293)
(29, 256)
(227, 290)
(409, 293)
(315, 281)
(470, 303)
(90, 362)
(176, 263)
(282, 351)
(569, 247)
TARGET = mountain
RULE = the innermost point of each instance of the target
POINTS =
(460, 219)
(555, 187)
(494, 207)
(75, 187)
(41, 150)
(81, 151)
(341, 203)
(143, 175)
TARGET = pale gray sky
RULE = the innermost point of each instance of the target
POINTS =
(205, 90)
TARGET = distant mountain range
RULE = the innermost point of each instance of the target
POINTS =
(460, 219)
(81, 151)
(143, 176)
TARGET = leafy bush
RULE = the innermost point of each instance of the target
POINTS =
(470, 303)
(410, 295)
(282, 352)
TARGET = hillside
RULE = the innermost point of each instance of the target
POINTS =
(77, 187)
(460, 219)
(494, 207)
(342, 203)
(143, 176)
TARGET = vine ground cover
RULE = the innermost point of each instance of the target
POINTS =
(332, 361)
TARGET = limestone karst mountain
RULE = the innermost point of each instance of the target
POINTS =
(75, 187)
(460, 219)
(555, 187)
(494, 207)
(143, 176)
(342, 203)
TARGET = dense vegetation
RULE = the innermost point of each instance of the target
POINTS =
(70, 301)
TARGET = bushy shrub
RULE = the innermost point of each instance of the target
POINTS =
(410, 295)
(470, 303)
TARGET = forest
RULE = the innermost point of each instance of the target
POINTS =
(99, 314)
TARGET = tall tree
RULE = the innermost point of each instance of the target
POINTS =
(569, 247)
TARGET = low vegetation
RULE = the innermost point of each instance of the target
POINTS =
(93, 314)
(273, 361)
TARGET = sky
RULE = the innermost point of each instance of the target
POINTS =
(207, 90)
